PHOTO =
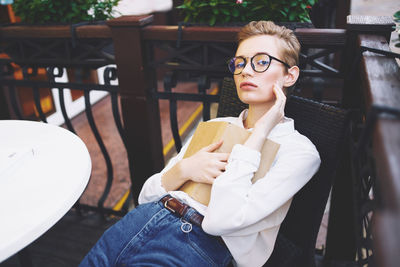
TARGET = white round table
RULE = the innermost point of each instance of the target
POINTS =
(43, 171)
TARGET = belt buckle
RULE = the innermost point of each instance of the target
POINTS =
(166, 205)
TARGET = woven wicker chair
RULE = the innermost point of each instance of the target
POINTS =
(326, 127)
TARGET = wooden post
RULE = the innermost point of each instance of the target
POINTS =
(342, 11)
(139, 110)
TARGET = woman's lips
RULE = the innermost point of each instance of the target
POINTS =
(247, 86)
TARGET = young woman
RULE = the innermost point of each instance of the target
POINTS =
(242, 220)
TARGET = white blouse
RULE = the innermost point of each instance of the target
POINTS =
(248, 216)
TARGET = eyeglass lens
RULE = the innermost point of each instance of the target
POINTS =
(259, 63)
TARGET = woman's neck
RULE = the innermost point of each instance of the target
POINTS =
(256, 112)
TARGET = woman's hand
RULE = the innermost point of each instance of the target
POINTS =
(268, 121)
(203, 167)
(275, 114)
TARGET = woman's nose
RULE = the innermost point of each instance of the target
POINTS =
(247, 70)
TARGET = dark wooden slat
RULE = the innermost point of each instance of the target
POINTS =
(386, 146)
(314, 37)
(57, 31)
(170, 33)
(386, 239)
(382, 83)
(380, 78)
(324, 38)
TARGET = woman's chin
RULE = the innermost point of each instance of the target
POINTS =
(250, 100)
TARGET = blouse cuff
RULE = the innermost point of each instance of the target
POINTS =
(245, 154)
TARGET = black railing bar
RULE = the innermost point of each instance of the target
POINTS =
(169, 82)
(72, 86)
(379, 51)
(110, 74)
(89, 115)
(117, 118)
(203, 85)
(14, 101)
(103, 211)
(372, 116)
(174, 125)
(64, 110)
(322, 66)
(186, 97)
(51, 76)
(108, 56)
(323, 52)
(122, 134)
(36, 99)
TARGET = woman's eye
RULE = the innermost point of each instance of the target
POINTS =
(262, 62)
(239, 65)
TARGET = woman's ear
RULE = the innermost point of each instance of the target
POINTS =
(291, 76)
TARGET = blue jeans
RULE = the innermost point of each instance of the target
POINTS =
(151, 235)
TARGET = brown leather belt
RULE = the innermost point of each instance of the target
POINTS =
(180, 209)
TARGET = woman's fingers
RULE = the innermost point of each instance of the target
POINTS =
(280, 97)
(222, 156)
(213, 147)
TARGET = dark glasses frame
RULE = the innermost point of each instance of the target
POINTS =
(230, 61)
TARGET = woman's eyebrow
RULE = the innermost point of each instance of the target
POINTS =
(254, 54)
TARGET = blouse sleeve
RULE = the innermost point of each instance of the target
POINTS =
(248, 206)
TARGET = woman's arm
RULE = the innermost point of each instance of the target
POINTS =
(249, 205)
(203, 167)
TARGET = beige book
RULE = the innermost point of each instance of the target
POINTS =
(212, 132)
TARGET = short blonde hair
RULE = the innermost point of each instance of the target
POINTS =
(290, 48)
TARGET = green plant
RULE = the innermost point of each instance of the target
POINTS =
(223, 11)
(397, 20)
(63, 11)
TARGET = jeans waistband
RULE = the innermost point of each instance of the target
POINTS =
(182, 210)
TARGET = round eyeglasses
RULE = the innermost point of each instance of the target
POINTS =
(259, 62)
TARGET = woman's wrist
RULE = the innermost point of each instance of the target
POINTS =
(175, 177)
(256, 139)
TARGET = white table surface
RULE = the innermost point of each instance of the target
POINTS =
(43, 171)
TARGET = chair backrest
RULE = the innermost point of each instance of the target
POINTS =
(326, 127)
